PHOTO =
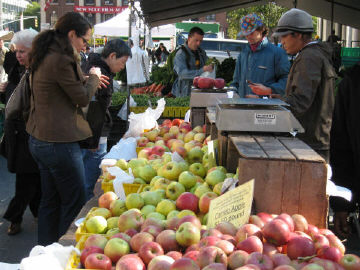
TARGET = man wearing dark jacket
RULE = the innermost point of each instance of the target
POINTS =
(345, 147)
(112, 60)
(310, 85)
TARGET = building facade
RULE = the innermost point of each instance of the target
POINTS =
(9, 17)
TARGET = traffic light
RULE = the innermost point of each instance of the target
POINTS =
(36, 22)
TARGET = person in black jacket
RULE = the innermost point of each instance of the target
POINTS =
(112, 60)
(19, 159)
(345, 148)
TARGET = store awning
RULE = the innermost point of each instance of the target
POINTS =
(158, 12)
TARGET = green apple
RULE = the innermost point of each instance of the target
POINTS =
(156, 164)
(150, 144)
(162, 193)
(184, 166)
(214, 177)
(192, 190)
(147, 188)
(170, 170)
(230, 175)
(112, 222)
(136, 172)
(217, 188)
(116, 248)
(166, 158)
(104, 212)
(172, 214)
(205, 219)
(187, 179)
(165, 207)
(156, 215)
(147, 173)
(197, 169)
(161, 183)
(151, 197)
(137, 162)
(200, 137)
(173, 190)
(122, 164)
(201, 189)
(187, 234)
(147, 209)
(189, 136)
(117, 207)
(96, 224)
(205, 148)
(185, 212)
(139, 181)
(154, 179)
(221, 168)
(134, 200)
(195, 155)
(112, 231)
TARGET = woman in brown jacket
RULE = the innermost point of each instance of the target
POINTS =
(56, 123)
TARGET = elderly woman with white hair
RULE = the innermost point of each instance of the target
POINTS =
(19, 159)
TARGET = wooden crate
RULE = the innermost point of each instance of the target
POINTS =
(197, 116)
(211, 126)
(223, 138)
(289, 176)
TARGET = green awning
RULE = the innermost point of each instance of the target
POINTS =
(206, 27)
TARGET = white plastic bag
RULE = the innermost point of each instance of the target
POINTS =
(147, 120)
(124, 149)
(123, 111)
(208, 74)
(120, 178)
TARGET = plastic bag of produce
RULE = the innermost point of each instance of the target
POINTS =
(124, 149)
(123, 111)
(144, 121)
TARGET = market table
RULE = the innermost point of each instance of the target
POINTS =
(69, 238)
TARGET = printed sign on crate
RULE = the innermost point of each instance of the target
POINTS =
(234, 206)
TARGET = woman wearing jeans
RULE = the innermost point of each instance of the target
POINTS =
(56, 122)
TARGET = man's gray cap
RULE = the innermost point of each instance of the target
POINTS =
(294, 20)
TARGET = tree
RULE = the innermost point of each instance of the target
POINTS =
(270, 14)
(32, 10)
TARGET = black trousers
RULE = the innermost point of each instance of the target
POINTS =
(27, 192)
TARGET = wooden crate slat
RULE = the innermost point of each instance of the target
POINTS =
(247, 147)
(301, 150)
(274, 148)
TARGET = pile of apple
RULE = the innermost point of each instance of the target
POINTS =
(208, 83)
(267, 242)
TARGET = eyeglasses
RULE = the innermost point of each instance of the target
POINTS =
(84, 40)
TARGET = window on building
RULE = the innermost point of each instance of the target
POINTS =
(125, 2)
(70, 2)
(108, 2)
(90, 17)
(89, 2)
(210, 17)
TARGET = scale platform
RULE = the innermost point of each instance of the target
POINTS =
(209, 97)
(256, 115)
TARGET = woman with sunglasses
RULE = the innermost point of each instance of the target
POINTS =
(56, 122)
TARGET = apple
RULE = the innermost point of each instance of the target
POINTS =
(161, 262)
(204, 202)
(215, 177)
(180, 150)
(297, 264)
(161, 183)
(131, 232)
(336, 242)
(198, 129)
(142, 141)
(237, 259)
(249, 267)
(96, 240)
(211, 232)
(89, 250)
(192, 254)
(96, 224)
(152, 134)
(167, 239)
(276, 232)
(112, 232)
(137, 162)
(139, 181)
(150, 221)
(170, 170)
(300, 247)
(147, 173)
(131, 219)
(280, 259)
(192, 219)
(185, 127)
(147, 209)
(174, 190)
(247, 230)
(350, 262)
(320, 241)
(189, 136)
(165, 207)
(174, 130)
(200, 137)
(139, 239)
(261, 260)
(184, 264)
(116, 248)
(151, 197)
(145, 152)
(134, 200)
(265, 217)
(106, 198)
(219, 83)
(104, 212)
(172, 214)
(197, 169)
(112, 222)
(187, 234)
(168, 136)
(329, 253)
(160, 141)
(288, 220)
(208, 255)
(174, 254)
(208, 241)
(284, 267)
(201, 189)
(229, 238)
(130, 263)
(173, 223)
(226, 228)
(195, 155)
(270, 249)
(98, 261)
(180, 136)
(177, 143)
(187, 179)
(150, 250)
(166, 122)
(156, 215)
(300, 223)
(312, 266)
(312, 230)
(122, 236)
(122, 164)
(215, 266)
(251, 244)
(217, 188)
(150, 144)
(327, 264)
(187, 200)
(226, 246)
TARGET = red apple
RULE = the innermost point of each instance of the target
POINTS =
(280, 259)
(276, 232)
(177, 122)
(329, 253)
(131, 232)
(173, 223)
(192, 247)
(251, 244)
(210, 255)
(192, 219)
(265, 217)
(300, 247)
(237, 259)
(226, 246)
(336, 242)
(188, 201)
(89, 250)
(150, 250)
(312, 230)
(328, 265)
(122, 236)
(261, 260)
(208, 241)
(226, 228)
(211, 232)
(326, 232)
(161, 262)
(96, 240)
(288, 220)
(153, 230)
(98, 261)
(320, 241)
(256, 220)
(130, 263)
(184, 264)
(219, 83)
(215, 266)
(158, 150)
(298, 264)
(229, 238)
(350, 262)
(193, 255)
(270, 249)
(204, 202)
(167, 239)
(174, 254)
(300, 222)
(247, 230)
(139, 239)
(167, 122)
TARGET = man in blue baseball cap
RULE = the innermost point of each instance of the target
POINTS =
(261, 67)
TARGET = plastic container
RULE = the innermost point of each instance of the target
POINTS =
(81, 230)
(128, 188)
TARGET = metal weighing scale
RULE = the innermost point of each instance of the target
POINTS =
(256, 115)
(208, 97)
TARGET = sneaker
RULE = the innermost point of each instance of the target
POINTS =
(14, 228)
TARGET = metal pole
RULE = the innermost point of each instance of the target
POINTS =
(131, 3)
